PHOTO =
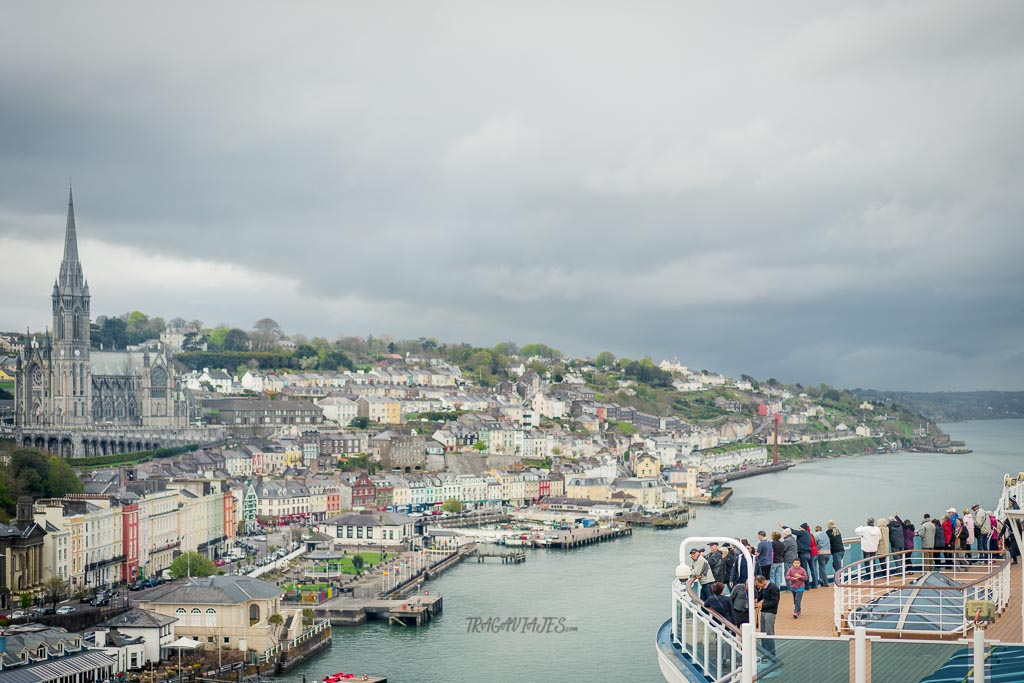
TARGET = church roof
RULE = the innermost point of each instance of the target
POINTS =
(117, 363)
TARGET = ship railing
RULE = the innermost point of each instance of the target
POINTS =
(711, 643)
(859, 657)
(879, 593)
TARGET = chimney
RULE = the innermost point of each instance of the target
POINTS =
(25, 513)
(101, 637)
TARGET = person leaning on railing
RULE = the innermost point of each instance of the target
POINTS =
(1009, 539)
(835, 538)
(927, 534)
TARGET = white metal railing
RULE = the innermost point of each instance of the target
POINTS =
(711, 644)
(319, 626)
(881, 588)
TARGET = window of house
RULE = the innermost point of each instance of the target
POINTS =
(359, 532)
(254, 613)
(211, 617)
(197, 617)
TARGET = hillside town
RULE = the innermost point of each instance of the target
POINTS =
(172, 516)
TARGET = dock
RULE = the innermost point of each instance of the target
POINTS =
(673, 519)
(576, 538)
(723, 494)
(750, 472)
(506, 556)
(413, 611)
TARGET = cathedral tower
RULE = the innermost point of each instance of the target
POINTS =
(71, 379)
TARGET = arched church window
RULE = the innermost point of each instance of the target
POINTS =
(158, 378)
(37, 376)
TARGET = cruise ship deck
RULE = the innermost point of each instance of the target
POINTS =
(817, 618)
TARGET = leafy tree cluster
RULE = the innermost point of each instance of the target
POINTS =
(117, 332)
(35, 473)
(192, 564)
(223, 338)
(197, 360)
(540, 350)
(647, 372)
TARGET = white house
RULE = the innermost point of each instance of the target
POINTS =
(368, 529)
(156, 631)
(339, 409)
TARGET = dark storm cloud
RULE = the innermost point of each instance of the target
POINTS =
(815, 192)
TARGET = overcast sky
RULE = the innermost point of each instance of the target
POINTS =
(818, 192)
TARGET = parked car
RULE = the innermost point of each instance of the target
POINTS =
(220, 562)
(19, 614)
(65, 609)
(137, 586)
(100, 602)
(41, 611)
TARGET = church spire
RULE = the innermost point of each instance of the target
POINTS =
(70, 267)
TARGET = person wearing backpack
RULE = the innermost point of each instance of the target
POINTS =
(740, 603)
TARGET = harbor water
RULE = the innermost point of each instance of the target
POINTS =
(591, 614)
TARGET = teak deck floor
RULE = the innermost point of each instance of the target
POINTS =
(818, 609)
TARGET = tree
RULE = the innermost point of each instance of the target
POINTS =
(54, 590)
(359, 422)
(540, 350)
(605, 359)
(236, 340)
(452, 505)
(358, 563)
(480, 446)
(266, 333)
(113, 333)
(61, 478)
(192, 564)
(26, 600)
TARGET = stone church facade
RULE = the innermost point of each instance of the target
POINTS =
(75, 401)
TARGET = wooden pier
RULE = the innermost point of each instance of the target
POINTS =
(506, 556)
(673, 519)
(723, 494)
(575, 538)
(412, 611)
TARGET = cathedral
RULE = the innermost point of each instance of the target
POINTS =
(76, 401)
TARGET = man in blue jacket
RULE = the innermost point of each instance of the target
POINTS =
(764, 554)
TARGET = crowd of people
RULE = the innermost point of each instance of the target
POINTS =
(799, 558)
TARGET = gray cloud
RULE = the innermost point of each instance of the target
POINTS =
(815, 192)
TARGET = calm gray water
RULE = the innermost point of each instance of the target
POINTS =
(614, 596)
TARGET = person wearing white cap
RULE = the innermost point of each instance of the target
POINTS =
(700, 571)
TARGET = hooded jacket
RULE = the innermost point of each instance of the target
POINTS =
(803, 539)
(896, 534)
